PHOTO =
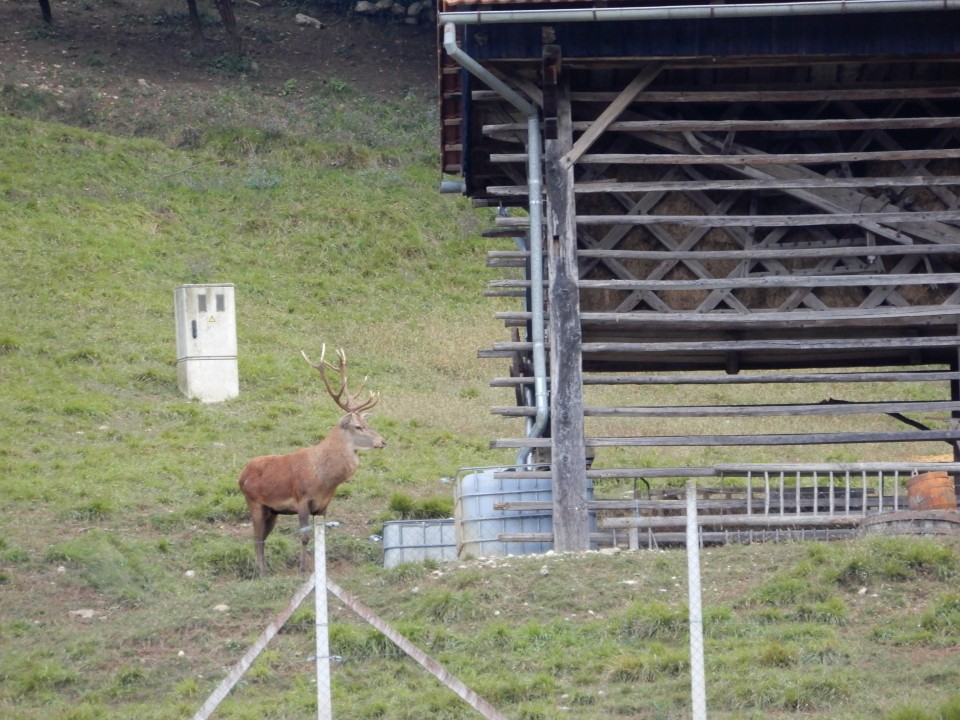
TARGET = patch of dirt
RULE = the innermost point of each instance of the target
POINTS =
(116, 42)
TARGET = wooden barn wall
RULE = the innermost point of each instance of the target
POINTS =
(882, 34)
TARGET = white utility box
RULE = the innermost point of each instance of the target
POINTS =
(207, 342)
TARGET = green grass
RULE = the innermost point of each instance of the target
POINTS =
(123, 534)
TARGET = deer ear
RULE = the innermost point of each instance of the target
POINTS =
(345, 422)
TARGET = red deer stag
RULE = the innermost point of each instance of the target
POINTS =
(303, 482)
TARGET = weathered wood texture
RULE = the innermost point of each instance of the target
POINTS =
(738, 221)
(568, 453)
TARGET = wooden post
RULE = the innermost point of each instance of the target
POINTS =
(955, 416)
(571, 531)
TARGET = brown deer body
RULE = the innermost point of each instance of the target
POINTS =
(303, 482)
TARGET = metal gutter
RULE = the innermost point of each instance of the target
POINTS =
(693, 12)
(535, 198)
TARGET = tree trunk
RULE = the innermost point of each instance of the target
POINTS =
(230, 25)
(46, 11)
(196, 29)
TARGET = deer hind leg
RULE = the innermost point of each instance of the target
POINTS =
(263, 521)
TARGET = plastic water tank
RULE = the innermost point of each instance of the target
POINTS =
(407, 541)
(479, 525)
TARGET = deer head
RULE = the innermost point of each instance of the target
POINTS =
(354, 423)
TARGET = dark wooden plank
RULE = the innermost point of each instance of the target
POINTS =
(799, 346)
(852, 318)
(491, 354)
(748, 440)
(806, 409)
(720, 320)
(779, 252)
(615, 186)
(778, 281)
(807, 220)
(808, 278)
(495, 262)
(766, 159)
(598, 538)
(784, 125)
(749, 378)
(734, 94)
(804, 220)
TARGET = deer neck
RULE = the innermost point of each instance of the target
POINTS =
(335, 455)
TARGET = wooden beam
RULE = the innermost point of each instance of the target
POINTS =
(777, 281)
(811, 220)
(766, 159)
(757, 378)
(786, 252)
(802, 125)
(735, 95)
(838, 438)
(610, 113)
(852, 318)
(798, 346)
(778, 410)
(846, 317)
(570, 517)
(789, 345)
(610, 186)
(517, 258)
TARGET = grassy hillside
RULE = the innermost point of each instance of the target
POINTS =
(122, 531)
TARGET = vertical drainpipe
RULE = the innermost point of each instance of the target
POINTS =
(535, 196)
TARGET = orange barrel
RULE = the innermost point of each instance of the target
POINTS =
(931, 491)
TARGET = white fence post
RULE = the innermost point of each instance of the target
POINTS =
(318, 581)
(324, 702)
(698, 689)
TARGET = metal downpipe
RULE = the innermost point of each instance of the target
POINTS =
(692, 12)
(535, 195)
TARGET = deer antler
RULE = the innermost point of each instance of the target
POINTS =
(351, 403)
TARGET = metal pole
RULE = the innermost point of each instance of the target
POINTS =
(535, 209)
(324, 706)
(697, 676)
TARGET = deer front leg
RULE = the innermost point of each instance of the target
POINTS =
(306, 528)
(263, 521)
